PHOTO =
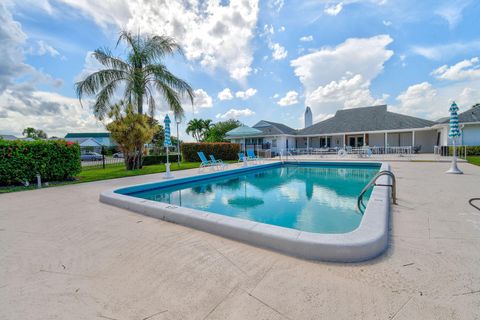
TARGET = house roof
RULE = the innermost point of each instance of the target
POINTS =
(471, 115)
(8, 137)
(374, 118)
(88, 135)
(243, 131)
(269, 128)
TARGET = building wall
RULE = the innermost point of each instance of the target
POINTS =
(471, 135)
(426, 139)
(376, 140)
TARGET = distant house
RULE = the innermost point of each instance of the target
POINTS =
(8, 137)
(469, 127)
(92, 140)
(11, 138)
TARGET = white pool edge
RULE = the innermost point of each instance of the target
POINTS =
(368, 241)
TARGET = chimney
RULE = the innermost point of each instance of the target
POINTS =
(308, 117)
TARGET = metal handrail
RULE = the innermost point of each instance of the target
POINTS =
(360, 205)
(291, 155)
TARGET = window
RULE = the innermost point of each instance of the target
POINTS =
(274, 143)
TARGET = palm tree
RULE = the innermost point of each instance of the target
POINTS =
(195, 128)
(140, 75)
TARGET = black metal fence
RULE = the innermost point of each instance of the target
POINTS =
(100, 157)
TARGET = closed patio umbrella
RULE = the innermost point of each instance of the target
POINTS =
(454, 133)
(167, 144)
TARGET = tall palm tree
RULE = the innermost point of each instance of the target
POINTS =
(140, 75)
(195, 127)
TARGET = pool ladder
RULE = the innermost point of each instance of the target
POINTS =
(361, 206)
(291, 155)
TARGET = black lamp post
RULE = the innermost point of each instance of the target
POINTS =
(177, 120)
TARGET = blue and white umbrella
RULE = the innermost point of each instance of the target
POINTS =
(454, 133)
(167, 142)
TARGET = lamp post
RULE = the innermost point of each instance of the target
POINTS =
(177, 120)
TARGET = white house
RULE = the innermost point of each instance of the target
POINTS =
(367, 126)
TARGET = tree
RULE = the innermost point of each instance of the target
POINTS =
(216, 132)
(34, 133)
(131, 131)
(196, 128)
(141, 75)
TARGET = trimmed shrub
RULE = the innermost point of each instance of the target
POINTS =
(473, 151)
(149, 160)
(220, 150)
(54, 160)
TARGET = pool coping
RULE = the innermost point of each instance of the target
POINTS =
(369, 240)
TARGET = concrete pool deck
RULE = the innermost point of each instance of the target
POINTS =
(65, 255)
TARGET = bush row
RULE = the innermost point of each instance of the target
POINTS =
(149, 160)
(471, 150)
(220, 150)
(20, 161)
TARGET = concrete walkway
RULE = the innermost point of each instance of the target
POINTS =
(64, 255)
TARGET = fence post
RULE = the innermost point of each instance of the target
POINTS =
(103, 157)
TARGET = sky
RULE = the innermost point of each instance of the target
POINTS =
(246, 59)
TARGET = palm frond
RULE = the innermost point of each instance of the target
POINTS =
(105, 57)
(172, 98)
(97, 80)
(162, 75)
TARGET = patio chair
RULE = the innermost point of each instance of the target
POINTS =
(241, 157)
(251, 156)
(218, 162)
(204, 161)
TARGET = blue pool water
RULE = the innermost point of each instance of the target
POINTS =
(313, 198)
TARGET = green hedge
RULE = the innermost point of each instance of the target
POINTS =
(149, 160)
(221, 150)
(471, 150)
(54, 160)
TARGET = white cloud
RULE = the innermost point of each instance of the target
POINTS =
(235, 114)
(276, 5)
(306, 38)
(247, 94)
(45, 48)
(333, 80)
(452, 11)
(466, 69)
(216, 34)
(202, 99)
(346, 93)
(291, 97)
(278, 52)
(446, 51)
(425, 101)
(281, 29)
(333, 10)
(225, 94)
(21, 103)
(387, 23)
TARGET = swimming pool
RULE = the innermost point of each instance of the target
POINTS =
(305, 197)
(304, 209)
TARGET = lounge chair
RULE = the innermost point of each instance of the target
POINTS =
(205, 162)
(241, 157)
(218, 162)
(251, 156)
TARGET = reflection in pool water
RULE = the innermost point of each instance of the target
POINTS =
(309, 198)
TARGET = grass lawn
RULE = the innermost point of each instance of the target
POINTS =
(110, 172)
(474, 160)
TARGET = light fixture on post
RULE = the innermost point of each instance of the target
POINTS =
(178, 120)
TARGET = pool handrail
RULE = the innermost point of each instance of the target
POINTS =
(360, 205)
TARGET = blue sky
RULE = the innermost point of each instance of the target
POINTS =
(247, 60)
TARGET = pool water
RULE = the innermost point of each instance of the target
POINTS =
(309, 198)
